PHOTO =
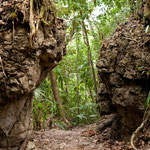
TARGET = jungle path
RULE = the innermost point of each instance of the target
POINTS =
(78, 138)
(75, 139)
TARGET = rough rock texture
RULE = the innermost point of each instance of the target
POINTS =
(124, 69)
(26, 57)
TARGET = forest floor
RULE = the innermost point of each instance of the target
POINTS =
(84, 138)
(78, 138)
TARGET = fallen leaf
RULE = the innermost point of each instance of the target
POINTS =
(130, 147)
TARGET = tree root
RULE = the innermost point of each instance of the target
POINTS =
(105, 123)
(32, 24)
(145, 119)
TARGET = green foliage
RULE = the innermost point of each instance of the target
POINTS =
(101, 19)
(43, 107)
(147, 101)
(88, 113)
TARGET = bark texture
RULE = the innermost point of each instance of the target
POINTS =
(57, 97)
(32, 42)
(124, 69)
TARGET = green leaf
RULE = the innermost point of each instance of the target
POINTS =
(147, 101)
(81, 116)
(147, 28)
(40, 105)
(118, 4)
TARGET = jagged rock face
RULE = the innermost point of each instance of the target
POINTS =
(25, 61)
(23, 67)
(123, 69)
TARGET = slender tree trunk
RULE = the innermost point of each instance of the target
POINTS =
(66, 89)
(77, 72)
(94, 33)
(66, 97)
(72, 32)
(91, 28)
(90, 91)
(57, 97)
(91, 94)
(89, 55)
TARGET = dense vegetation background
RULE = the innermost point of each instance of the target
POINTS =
(89, 22)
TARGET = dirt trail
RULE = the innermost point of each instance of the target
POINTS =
(80, 138)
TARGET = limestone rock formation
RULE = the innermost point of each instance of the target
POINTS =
(32, 42)
(124, 69)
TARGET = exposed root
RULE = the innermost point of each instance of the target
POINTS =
(32, 24)
(145, 119)
(23, 11)
(43, 7)
(106, 123)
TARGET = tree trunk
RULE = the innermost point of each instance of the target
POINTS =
(57, 97)
(89, 55)
(66, 90)
(91, 94)
(32, 42)
(77, 73)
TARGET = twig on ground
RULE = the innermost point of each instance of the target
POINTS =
(143, 43)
